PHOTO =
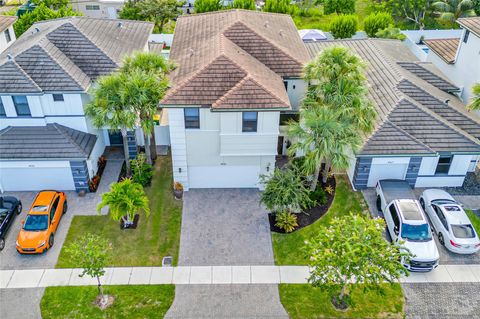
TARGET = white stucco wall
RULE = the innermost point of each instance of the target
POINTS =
(458, 169)
(107, 8)
(296, 89)
(178, 146)
(3, 38)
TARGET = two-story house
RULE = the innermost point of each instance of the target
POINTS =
(46, 141)
(459, 58)
(7, 34)
(237, 71)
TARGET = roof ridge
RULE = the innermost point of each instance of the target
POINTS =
(42, 44)
(229, 11)
(61, 129)
(268, 41)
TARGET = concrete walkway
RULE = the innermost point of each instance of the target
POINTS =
(207, 275)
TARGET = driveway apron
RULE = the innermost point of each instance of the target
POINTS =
(225, 227)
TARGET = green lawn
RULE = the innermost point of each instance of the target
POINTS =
(474, 219)
(287, 247)
(156, 236)
(305, 301)
(130, 302)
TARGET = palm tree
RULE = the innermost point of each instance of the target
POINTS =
(125, 199)
(324, 136)
(108, 109)
(451, 10)
(475, 104)
(146, 87)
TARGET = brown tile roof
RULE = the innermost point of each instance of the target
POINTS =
(221, 54)
(444, 48)
(471, 23)
(6, 21)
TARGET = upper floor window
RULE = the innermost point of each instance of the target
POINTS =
(249, 121)
(8, 37)
(2, 108)
(58, 97)
(443, 166)
(465, 36)
(21, 105)
(192, 117)
(92, 7)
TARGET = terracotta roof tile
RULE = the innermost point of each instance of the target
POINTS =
(444, 48)
(471, 23)
(6, 21)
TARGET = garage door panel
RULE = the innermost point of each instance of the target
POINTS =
(35, 179)
(223, 176)
(386, 171)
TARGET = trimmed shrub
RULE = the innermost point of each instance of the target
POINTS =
(377, 21)
(390, 33)
(344, 26)
(286, 221)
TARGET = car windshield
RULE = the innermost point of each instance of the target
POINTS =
(36, 223)
(416, 232)
(39, 208)
(443, 201)
(463, 231)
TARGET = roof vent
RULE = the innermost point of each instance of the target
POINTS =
(191, 52)
(36, 30)
(281, 32)
(120, 25)
(265, 24)
(9, 56)
(446, 101)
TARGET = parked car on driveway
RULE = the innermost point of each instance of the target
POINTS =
(450, 222)
(9, 207)
(38, 229)
(407, 225)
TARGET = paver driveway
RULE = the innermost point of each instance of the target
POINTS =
(225, 227)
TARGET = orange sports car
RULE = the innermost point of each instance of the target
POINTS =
(38, 230)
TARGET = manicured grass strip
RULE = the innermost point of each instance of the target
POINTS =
(130, 302)
(305, 301)
(474, 219)
(156, 236)
(287, 247)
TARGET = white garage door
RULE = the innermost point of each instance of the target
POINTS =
(223, 176)
(35, 176)
(386, 171)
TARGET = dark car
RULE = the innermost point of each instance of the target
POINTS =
(9, 207)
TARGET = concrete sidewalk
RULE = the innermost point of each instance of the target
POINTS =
(206, 275)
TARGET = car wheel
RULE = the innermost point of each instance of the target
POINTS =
(379, 204)
(2, 244)
(422, 203)
(19, 209)
(65, 207)
(441, 239)
(51, 241)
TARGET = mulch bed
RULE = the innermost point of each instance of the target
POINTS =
(310, 215)
(132, 226)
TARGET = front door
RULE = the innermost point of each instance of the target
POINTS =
(115, 138)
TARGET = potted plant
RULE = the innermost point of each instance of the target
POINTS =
(178, 190)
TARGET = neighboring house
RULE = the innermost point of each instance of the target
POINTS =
(415, 39)
(99, 8)
(238, 73)
(46, 141)
(423, 133)
(459, 58)
(7, 34)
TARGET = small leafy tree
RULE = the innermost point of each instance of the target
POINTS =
(391, 33)
(352, 251)
(411, 10)
(475, 104)
(90, 252)
(285, 190)
(339, 6)
(277, 6)
(344, 26)
(476, 7)
(142, 172)
(40, 13)
(160, 11)
(244, 4)
(202, 6)
(131, 11)
(125, 199)
(52, 4)
(377, 21)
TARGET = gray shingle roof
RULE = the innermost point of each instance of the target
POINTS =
(52, 141)
(429, 76)
(67, 54)
(406, 112)
(13, 79)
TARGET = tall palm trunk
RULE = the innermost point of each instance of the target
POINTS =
(328, 165)
(316, 175)
(125, 151)
(148, 150)
(153, 146)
